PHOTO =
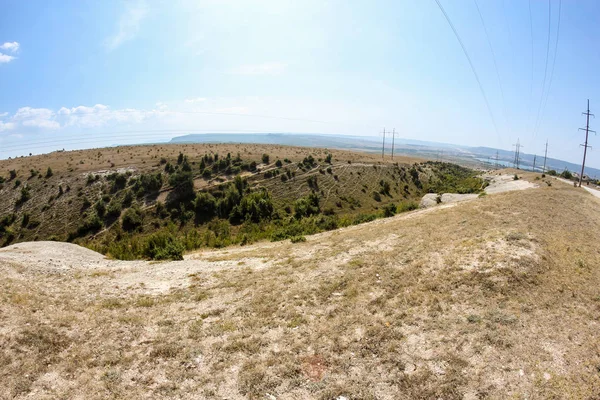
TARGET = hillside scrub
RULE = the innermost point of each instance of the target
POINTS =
(203, 200)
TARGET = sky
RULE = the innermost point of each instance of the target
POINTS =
(80, 74)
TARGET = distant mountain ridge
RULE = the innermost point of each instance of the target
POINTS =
(373, 144)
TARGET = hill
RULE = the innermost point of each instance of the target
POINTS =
(162, 200)
(491, 298)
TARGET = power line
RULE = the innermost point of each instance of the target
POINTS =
(531, 82)
(537, 119)
(495, 63)
(471, 64)
(552, 70)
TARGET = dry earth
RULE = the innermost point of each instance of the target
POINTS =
(498, 297)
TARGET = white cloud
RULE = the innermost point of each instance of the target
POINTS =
(10, 46)
(259, 69)
(160, 106)
(129, 24)
(5, 58)
(4, 114)
(196, 100)
(36, 118)
(101, 115)
(6, 126)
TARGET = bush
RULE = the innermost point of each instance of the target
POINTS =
(132, 219)
(551, 172)
(265, 158)
(376, 196)
(566, 174)
(328, 159)
(100, 207)
(297, 239)
(114, 209)
(92, 224)
(49, 172)
(255, 207)
(516, 177)
(278, 164)
(205, 206)
(148, 183)
(12, 174)
(307, 206)
(182, 184)
(163, 246)
(25, 195)
(389, 210)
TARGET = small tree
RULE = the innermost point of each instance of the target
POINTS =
(49, 172)
(278, 164)
(265, 158)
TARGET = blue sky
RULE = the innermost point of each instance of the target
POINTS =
(79, 74)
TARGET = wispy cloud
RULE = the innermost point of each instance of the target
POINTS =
(259, 69)
(10, 46)
(6, 126)
(129, 24)
(196, 100)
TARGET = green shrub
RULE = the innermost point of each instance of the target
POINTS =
(278, 164)
(389, 210)
(100, 207)
(376, 196)
(12, 174)
(265, 158)
(25, 195)
(114, 209)
(566, 174)
(408, 206)
(132, 219)
(163, 246)
(182, 183)
(205, 206)
(307, 206)
(49, 172)
(297, 239)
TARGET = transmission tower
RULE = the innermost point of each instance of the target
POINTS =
(497, 159)
(587, 131)
(383, 145)
(517, 146)
(393, 136)
(533, 168)
(545, 155)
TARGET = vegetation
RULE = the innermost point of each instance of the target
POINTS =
(157, 212)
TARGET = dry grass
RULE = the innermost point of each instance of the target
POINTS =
(494, 298)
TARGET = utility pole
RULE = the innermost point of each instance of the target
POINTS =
(585, 145)
(534, 157)
(496, 158)
(383, 146)
(545, 155)
(517, 153)
(393, 136)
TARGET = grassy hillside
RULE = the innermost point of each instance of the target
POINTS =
(494, 298)
(158, 201)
